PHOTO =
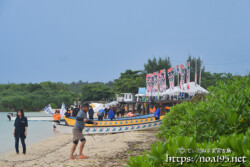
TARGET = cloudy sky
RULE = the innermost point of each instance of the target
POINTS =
(67, 41)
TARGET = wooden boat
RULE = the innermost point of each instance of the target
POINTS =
(112, 129)
(71, 122)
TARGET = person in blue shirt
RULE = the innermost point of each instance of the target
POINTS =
(100, 114)
(157, 113)
(111, 115)
(67, 114)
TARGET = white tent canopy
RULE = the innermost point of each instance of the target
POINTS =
(98, 106)
(191, 91)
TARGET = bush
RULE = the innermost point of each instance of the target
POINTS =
(220, 121)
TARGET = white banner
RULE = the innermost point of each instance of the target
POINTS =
(62, 111)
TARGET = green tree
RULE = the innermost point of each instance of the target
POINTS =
(96, 91)
(157, 65)
(129, 82)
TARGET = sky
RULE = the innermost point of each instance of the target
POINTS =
(66, 41)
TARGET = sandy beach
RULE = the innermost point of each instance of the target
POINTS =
(103, 150)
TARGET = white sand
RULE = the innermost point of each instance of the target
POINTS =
(55, 150)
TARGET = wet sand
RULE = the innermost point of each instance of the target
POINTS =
(103, 150)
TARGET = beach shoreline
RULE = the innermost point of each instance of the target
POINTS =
(102, 149)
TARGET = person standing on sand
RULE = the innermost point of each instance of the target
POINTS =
(81, 119)
(57, 117)
(106, 112)
(91, 113)
(20, 130)
(111, 114)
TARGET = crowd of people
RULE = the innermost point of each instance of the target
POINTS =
(110, 112)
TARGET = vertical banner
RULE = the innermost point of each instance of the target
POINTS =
(200, 78)
(182, 76)
(155, 83)
(177, 71)
(148, 83)
(162, 81)
(188, 74)
(151, 83)
(169, 78)
(172, 75)
(195, 72)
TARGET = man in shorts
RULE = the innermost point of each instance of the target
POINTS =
(81, 119)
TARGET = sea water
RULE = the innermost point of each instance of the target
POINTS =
(37, 131)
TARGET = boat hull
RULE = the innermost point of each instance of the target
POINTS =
(71, 122)
(112, 129)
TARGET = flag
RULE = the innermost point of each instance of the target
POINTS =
(200, 78)
(155, 83)
(182, 76)
(177, 70)
(169, 79)
(162, 81)
(62, 111)
(188, 74)
(172, 76)
(48, 110)
(195, 71)
(148, 83)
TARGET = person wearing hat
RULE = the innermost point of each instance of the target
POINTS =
(81, 119)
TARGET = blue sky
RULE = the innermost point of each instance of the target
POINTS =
(67, 41)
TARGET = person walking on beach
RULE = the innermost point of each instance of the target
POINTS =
(57, 117)
(81, 119)
(20, 130)
(91, 113)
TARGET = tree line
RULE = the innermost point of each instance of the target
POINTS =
(35, 96)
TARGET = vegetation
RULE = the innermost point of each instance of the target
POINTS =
(220, 121)
(33, 97)
(129, 82)
(96, 91)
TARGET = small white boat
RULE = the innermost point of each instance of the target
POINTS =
(32, 118)
(111, 129)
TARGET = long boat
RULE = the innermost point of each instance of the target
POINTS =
(71, 121)
(128, 118)
(112, 129)
(33, 118)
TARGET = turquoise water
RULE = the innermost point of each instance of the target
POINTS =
(37, 131)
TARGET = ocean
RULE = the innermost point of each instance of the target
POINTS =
(37, 131)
